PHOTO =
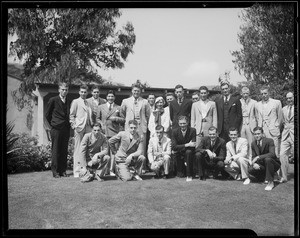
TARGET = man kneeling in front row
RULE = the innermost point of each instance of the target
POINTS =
(159, 153)
(264, 162)
(210, 155)
(93, 153)
(129, 154)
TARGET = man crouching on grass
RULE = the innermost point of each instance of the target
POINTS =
(129, 154)
(94, 150)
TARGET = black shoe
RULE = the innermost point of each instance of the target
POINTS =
(64, 174)
(165, 176)
(203, 178)
(56, 176)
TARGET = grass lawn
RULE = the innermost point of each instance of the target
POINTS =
(39, 201)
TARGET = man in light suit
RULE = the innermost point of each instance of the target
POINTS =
(95, 101)
(129, 154)
(180, 107)
(287, 137)
(268, 113)
(159, 152)
(210, 154)
(264, 163)
(137, 108)
(111, 119)
(94, 151)
(57, 115)
(183, 144)
(249, 119)
(81, 121)
(229, 111)
(203, 115)
(236, 161)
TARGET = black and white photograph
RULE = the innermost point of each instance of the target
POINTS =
(142, 119)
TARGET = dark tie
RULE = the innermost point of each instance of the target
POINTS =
(234, 146)
(259, 147)
(109, 107)
(226, 99)
(180, 101)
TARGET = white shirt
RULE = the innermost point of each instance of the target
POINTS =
(204, 107)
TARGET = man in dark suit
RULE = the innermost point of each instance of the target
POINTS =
(229, 111)
(183, 144)
(210, 154)
(57, 115)
(180, 107)
(264, 162)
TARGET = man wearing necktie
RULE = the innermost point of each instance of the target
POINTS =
(236, 161)
(57, 115)
(264, 163)
(180, 107)
(287, 137)
(112, 120)
(229, 111)
(81, 121)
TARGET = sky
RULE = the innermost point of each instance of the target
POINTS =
(183, 46)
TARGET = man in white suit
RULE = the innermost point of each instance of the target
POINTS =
(129, 152)
(237, 161)
(268, 114)
(287, 137)
(95, 101)
(137, 108)
(249, 119)
(81, 122)
(203, 115)
(159, 152)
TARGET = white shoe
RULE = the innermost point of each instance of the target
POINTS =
(247, 181)
(270, 186)
(189, 179)
(112, 173)
(137, 177)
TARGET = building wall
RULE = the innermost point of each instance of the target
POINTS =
(21, 118)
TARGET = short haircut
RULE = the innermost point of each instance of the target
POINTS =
(264, 88)
(170, 94)
(159, 127)
(178, 86)
(111, 92)
(213, 128)
(181, 117)
(289, 92)
(245, 89)
(151, 94)
(95, 86)
(196, 93)
(258, 128)
(97, 124)
(232, 129)
(63, 84)
(225, 83)
(83, 86)
(203, 88)
(134, 122)
(136, 85)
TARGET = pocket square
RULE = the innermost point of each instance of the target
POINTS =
(233, 104)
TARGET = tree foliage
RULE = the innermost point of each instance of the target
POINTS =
(267, 39)
(61, 44)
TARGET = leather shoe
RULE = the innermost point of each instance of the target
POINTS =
(64, 174)
(282, 180)
(203, 178)
(165, 176)
(56, 176)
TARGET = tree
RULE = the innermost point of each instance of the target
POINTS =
(60, 44)
(267, 39)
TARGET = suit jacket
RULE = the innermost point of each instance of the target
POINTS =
(111, 121)
(234, 114)
(177, 110)
(153, 147)
(178, 141)
(165, 122)
(80, 114)
(241, 148)
(274, 116)
(135, 147)
(95, 106)
(288, 123)
(90, 146)
(127, 108)
(267, 150)
(248, 112)
(56, 116)
(219, 147)
(210, 119)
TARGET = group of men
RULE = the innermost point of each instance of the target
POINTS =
(231, 137)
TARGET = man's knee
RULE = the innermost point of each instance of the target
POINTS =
(268, 160)
(167, 158)
(220, 164)
(188, 152)
(141, 158)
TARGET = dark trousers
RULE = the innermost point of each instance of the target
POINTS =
(59, 139)
(224, 133)
(204, 163)
(266, 171)
(185, 157)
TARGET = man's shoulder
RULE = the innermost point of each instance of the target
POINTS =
(268, 140)
(242, 140)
